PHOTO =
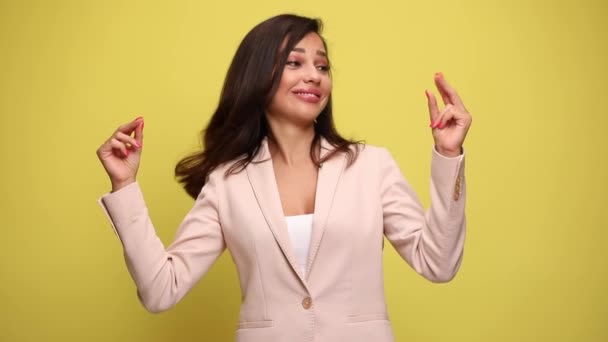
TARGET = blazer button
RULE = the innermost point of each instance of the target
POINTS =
(307, 303)
(457, 189)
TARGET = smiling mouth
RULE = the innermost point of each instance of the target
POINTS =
(306, 94)
(308, 97)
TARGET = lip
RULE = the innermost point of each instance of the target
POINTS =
(310, 95)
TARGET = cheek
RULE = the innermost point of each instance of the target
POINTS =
(328, 85)
(288, 79)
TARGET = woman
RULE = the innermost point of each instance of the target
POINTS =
(302, 210)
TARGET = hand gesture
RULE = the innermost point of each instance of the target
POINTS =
(451, 124)
(121, 153)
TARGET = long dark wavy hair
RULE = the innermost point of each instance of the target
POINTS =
(239, 125)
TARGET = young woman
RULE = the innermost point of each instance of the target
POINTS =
(302, 210)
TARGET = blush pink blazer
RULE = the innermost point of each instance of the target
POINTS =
(341, 298)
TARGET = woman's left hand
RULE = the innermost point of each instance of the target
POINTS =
(451, 124)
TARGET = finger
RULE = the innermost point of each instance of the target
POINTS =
(448, 93)
(119, 146)
(129, 127)
(445, 116)
(433, 108)
(442, 92)
(437, 124)
(128, 140)
(139, 133)
(437, 121)
(448, 116)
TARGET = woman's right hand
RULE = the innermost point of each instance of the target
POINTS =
(121, 153)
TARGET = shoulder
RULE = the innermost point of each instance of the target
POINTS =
(222, 171)
(373, 154)
(368, 159)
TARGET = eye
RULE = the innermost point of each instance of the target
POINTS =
(292, 63)
(323, 68)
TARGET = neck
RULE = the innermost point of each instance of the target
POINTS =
(290, 144)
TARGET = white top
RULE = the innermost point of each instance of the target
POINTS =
(300, 229)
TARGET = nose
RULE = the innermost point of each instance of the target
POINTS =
(313, 75)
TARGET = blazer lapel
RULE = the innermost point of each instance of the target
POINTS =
(262, 179)
(263, 182)
(327, 182)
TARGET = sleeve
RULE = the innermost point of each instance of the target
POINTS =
(431, 242)
(164, 276)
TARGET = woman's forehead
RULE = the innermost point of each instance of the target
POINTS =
(312, 42)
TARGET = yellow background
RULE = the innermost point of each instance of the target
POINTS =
(532, 74)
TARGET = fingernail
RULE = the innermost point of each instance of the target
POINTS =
(139, 118)
(127, 154)
(138, 144)
(440, 126)
(439, 74)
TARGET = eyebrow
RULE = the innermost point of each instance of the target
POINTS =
(319, 52)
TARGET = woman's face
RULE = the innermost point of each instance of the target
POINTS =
(305, 86)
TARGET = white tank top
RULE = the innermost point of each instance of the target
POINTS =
(300, 229)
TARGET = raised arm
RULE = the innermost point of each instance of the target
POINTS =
(162, 276)
(431, 241)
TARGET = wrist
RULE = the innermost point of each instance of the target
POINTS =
(450, 153)
(121, 184)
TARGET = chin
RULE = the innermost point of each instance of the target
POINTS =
(306, 120)
(308, 116)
